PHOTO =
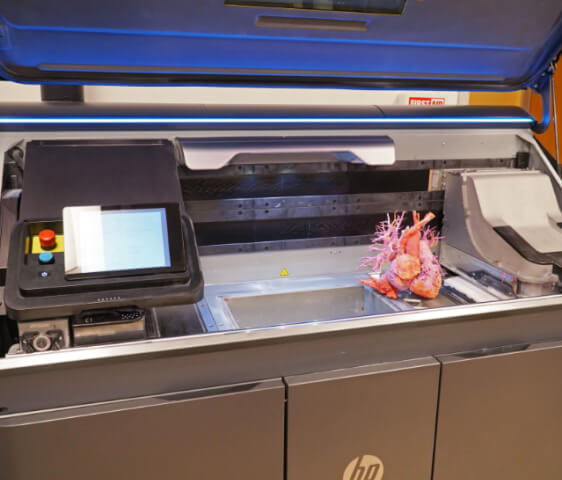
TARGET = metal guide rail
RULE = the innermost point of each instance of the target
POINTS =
(356, 196)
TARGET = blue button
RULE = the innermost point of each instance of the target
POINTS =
(46, 257)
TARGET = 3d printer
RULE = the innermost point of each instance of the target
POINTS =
(190, 273)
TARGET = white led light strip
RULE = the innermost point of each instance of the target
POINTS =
(254, 120)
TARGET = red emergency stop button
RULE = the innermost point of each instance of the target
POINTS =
(47, 239)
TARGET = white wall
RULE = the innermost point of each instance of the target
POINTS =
(12, 92)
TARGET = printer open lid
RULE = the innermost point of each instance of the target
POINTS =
(442, 44)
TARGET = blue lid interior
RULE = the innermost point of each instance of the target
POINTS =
(440, 44)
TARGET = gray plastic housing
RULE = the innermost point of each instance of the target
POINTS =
(466, 228)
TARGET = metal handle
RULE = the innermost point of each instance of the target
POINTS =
(543, 88)
(216, 153)
(488, 352)
(14, 418)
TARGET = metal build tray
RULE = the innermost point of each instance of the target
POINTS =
(310, 300)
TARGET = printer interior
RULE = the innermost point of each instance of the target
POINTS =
(280, 233)
(283, 245)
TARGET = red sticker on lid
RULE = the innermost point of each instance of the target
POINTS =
(426, 101)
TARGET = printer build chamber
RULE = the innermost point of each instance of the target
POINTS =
(281, 241)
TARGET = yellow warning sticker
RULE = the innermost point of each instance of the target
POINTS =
(284, 273)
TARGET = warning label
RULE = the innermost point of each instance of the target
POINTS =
(426, 101)
(284, 273)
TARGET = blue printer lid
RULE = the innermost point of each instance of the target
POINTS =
(440, 44)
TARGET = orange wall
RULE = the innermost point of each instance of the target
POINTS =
(519, 98)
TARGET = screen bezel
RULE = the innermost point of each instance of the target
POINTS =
(175, 245)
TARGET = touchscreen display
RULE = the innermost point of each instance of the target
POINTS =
(106, 240)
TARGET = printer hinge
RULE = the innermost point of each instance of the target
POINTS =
(543, 86)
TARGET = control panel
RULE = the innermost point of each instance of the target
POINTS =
(43, 263)
(93, 276)
(102, 237)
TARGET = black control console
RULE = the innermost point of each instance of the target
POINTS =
(39, 283)
(80, 272)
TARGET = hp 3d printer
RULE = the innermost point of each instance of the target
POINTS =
(181, 292)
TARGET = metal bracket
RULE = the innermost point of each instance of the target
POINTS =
(542, 87)
(555, 113)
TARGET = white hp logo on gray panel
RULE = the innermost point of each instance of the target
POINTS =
(365, 467)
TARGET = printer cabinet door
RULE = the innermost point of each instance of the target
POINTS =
(364, 423)
(233, 432)
(500, 415)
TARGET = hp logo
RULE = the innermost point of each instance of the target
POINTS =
(365, 467)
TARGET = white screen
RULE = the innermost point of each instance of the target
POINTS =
(99, 240)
